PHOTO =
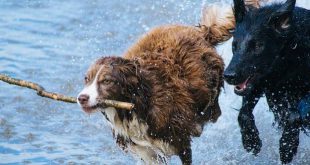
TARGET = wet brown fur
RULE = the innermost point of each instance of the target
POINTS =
(185, 72)
(173, 75)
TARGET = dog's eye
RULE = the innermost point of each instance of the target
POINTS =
(258, 46)
(255, 46)
(106, 81)
(86, 79)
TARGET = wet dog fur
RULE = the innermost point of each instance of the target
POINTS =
(271, 56)
(173, 76)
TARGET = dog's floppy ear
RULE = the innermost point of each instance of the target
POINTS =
(281, 19)
(239, 10)
(124, 69)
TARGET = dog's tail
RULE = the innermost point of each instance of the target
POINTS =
(255, 3)
(217, 22)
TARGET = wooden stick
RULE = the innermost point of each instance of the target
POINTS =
(55, 96)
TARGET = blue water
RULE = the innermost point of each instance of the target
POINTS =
(52, 42)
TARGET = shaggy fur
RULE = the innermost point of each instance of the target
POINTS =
(271, 56)
(173, 75)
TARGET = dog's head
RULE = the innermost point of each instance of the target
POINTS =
(108, 78)
(259, 37)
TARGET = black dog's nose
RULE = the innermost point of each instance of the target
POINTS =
(229, 76)
(83, 99)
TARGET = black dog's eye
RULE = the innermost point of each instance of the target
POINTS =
(258, 45)
(252, 44)
(255, 46)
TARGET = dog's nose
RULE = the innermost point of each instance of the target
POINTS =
(229, 76)
(83, 99)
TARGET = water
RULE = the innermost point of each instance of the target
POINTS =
(52, 42)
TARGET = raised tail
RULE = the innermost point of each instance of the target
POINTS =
(217, 22)
(255, 3)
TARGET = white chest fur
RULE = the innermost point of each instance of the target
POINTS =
(149, 149)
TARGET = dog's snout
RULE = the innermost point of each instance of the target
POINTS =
(229, 76)
(83, 99)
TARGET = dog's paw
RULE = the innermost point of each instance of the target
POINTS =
(251, 141)
(288, 148)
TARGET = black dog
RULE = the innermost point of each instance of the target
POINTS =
(271, 56)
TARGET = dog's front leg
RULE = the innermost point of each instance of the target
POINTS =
(290, 137)
(186, 156)
(249, 132)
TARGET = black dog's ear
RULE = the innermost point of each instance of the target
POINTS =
(281, 19)
(239, 10)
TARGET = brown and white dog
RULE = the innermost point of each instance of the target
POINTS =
(173, 76)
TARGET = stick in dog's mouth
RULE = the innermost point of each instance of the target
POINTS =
(102, 104)
(117, 104)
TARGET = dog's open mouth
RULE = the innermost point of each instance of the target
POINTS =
(241, 88)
